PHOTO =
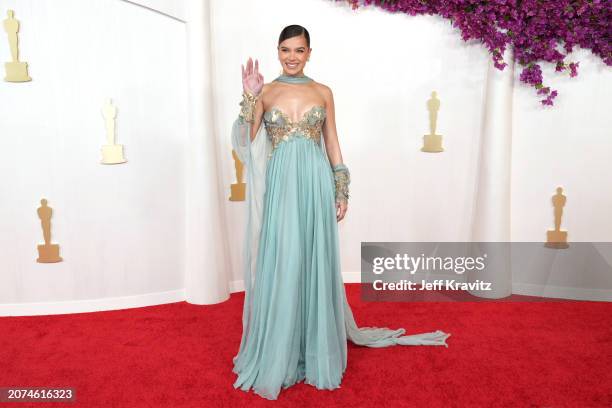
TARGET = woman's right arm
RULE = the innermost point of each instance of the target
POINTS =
(251, 110)
(251, 113)
(257, 114)
(253, 87)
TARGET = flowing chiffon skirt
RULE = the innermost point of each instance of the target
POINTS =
(300, 319)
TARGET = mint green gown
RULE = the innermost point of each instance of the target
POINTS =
(296, 319)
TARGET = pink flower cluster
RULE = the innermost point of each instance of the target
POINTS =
(536, 30)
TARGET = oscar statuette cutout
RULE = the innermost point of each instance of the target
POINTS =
(432, 143)
(47, 253)
(238, 189)
(111, 153)
(557, 238)
(16, 71)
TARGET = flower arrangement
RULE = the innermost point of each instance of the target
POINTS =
(537, 30)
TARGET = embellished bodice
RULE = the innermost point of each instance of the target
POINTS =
(280, 127)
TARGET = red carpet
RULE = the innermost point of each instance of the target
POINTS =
(180, 355)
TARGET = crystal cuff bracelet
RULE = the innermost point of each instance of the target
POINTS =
(342, 179)
(247, 106)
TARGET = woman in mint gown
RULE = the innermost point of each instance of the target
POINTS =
(296, 319)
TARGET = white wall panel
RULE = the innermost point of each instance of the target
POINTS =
(120, 227)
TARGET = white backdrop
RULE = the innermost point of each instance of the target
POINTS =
(568, 145)
(127, 232)
(120, 227)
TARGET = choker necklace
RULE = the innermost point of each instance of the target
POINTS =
(293, 79)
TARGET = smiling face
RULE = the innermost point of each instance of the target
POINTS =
(293, 54)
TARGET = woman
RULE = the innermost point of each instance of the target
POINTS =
(296, 318)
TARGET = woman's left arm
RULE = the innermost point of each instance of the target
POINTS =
(329, 128)
(341, 173)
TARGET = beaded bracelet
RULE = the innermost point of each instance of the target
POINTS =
(342, 179)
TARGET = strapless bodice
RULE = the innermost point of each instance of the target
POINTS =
(281, 128)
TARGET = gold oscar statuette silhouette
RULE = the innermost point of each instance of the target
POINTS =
(47, 253)
(237, 189)
(111, 153)
(432, 143)
(16, 71)
(557, 238)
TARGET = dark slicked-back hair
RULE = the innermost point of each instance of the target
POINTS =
(294, 30)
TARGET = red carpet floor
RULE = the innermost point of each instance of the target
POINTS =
(556, 354)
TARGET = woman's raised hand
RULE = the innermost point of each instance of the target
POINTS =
(252, 80)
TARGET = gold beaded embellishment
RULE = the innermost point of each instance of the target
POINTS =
(342, 179)
(247, 106)
(309, 126)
